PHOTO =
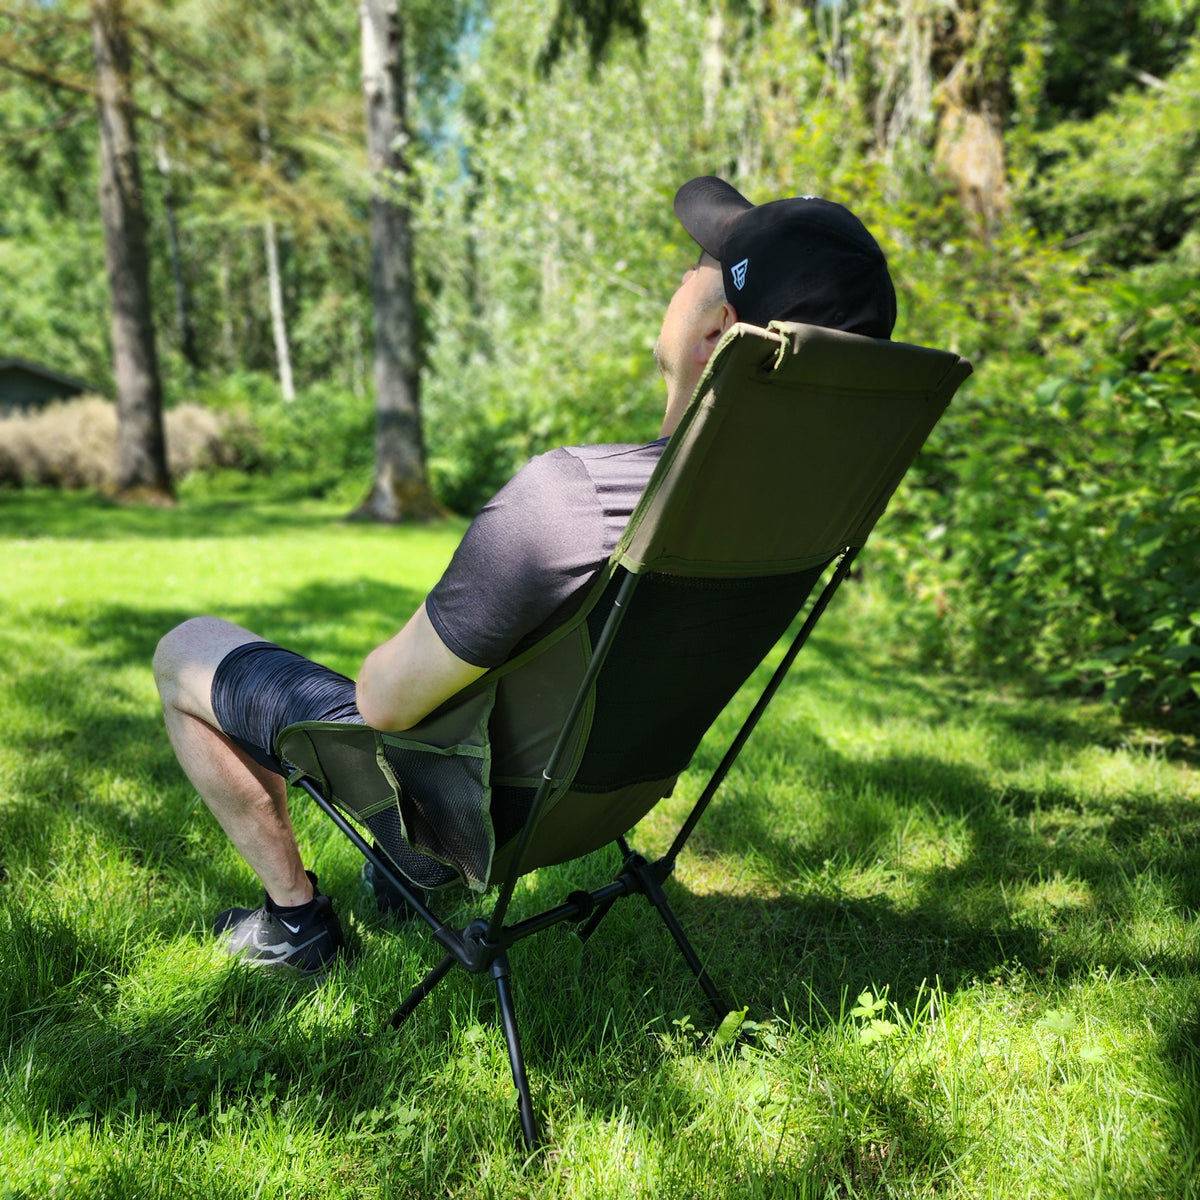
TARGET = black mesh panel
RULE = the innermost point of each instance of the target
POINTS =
(442, 798)
(510, 807)
(424, 871)
(684, 649)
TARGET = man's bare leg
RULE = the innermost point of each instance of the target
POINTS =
(248, 801)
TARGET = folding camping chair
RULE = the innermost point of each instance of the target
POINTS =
(788, 454)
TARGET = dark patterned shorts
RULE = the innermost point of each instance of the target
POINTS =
(260, 689)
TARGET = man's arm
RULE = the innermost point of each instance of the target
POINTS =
(408, 676)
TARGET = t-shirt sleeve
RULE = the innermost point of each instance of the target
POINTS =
(534, 545)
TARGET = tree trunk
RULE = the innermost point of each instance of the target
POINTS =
(141, 446)
(283, 356)
(279, 335)
(400, 490)
(225, 291)
(712, 66)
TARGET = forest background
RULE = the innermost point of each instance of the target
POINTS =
(1031, 167)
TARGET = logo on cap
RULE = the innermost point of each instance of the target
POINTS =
(738, 271)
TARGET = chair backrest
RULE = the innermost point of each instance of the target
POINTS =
(793, 444)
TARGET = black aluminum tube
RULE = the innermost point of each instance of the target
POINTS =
(516, 1059)
(431, 980)
(655, 894)
(602, 897)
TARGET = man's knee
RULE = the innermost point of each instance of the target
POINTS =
(186, 657)
(176, 647)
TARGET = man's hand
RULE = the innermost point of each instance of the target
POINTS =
(407, 677)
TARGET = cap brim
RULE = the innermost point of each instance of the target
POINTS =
(706, 207)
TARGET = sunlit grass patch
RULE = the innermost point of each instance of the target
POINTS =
(962, 924)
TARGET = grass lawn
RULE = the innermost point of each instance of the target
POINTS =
(963, 923)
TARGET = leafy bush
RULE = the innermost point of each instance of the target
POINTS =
(321, 442)
(236, 432)
(488, 417)
(1055, 522)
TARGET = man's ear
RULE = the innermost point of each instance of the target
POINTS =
(723, 318)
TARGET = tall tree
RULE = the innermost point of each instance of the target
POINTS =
(141, 445)
(400, 489)
(279, 332)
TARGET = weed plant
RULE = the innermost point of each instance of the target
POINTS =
(960, 923)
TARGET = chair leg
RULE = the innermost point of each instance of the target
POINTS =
(508, 1017)
(421, 991)
(597, 916)
(657, 897)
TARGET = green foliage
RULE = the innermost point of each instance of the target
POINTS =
(1125, 184)
(1056, 520)
(319, 444)
(1099, 48)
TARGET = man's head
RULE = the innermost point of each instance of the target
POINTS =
(801, 259)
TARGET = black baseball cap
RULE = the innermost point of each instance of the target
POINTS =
(801, 259)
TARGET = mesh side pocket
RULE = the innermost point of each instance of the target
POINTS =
(444, 804)
(424, 871)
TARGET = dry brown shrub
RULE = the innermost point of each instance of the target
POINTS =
(74, 444)
(199, 439)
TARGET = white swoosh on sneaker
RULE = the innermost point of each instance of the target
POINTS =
(289, 928)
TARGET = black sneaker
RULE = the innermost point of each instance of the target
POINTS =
(387, 899)
(265, 937)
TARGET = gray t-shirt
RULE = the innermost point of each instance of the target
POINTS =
(525, 561)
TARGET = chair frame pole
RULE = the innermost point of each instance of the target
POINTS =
(431, 980)
(649, 884)
(450, 939)
(508, 1018)
(718, 776)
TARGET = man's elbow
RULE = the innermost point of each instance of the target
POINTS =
(386, 717)
(378, 706)
(409, 676)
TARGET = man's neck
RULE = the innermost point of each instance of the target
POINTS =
(677, 403)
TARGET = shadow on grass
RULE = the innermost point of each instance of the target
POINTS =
(1181, 1053)
(1009, 836)
(873, 679)
(159, 1060)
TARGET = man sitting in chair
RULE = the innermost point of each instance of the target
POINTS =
(522, 566)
